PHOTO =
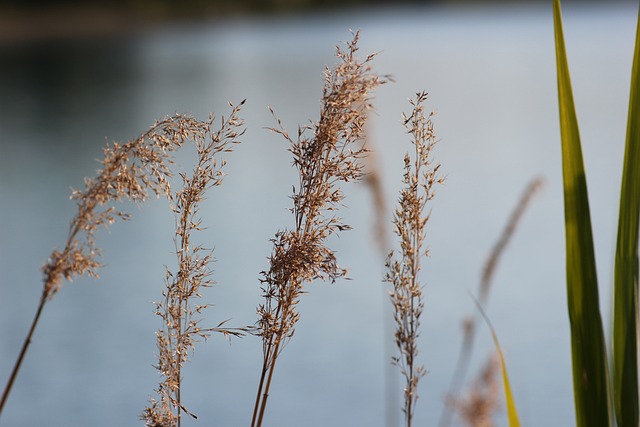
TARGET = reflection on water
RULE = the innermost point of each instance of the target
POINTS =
(491, 78)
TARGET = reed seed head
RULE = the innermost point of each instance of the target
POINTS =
(325, 153)
(482, 401)
(421, 175)
(180, 315)
(130, 171)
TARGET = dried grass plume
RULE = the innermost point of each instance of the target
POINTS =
(178, 310)
(410, 218)
(326, 153)
(130, 171)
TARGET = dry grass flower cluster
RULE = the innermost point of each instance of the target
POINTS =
(180, 315)
(410, 218)
(331, 154)
(129, 171)
(480, 404)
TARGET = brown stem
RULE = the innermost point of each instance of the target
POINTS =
(265, 395)
(25, 346)
(265, 363)
(271, 355)
(415, 268)
(259, 393)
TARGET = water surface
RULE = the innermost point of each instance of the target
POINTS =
(490, 74)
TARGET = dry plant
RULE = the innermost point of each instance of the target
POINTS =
(373, 179)
(469, 324)
(480, 404)
(332, 153)
(180, 315)
(420, 177)
(129, 171)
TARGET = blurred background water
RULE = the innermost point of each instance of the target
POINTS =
(490, 72)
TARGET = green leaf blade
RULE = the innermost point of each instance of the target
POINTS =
(625, 313)
(510, 403)
(512, 413)
(590, 375)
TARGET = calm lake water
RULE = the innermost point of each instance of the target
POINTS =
(491, 76)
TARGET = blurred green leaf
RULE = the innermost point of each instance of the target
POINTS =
(512, 413)
(590, 375)
(625, 313)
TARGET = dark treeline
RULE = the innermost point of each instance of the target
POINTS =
(188, 7)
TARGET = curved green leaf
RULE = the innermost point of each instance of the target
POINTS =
(590, 375)
(512, 413)
(625, 313)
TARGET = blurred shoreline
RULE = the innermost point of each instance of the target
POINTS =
(25, 26)
(26, 23)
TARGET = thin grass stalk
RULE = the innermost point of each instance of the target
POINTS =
(590, 372)
(23, 352)
(265, 394)
(179, 311)
(332, 154)
(373, 180)
(410, 218)
(625, 305)
(486, 280)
